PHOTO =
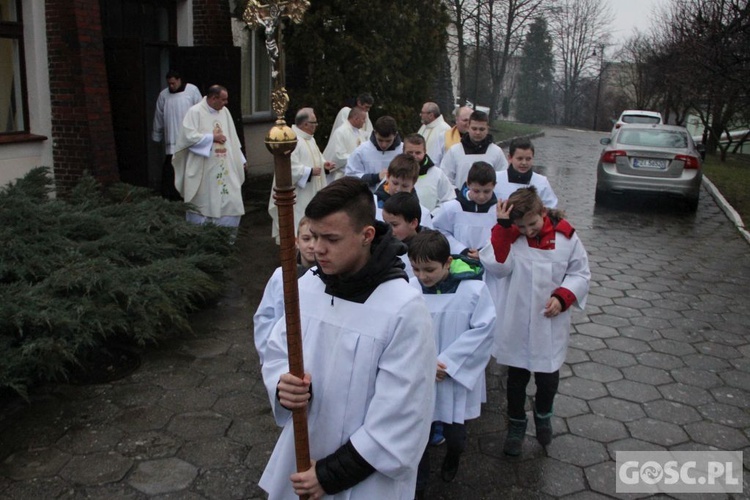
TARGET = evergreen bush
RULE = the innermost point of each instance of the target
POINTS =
(99, 267)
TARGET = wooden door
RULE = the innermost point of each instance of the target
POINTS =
(126, 77)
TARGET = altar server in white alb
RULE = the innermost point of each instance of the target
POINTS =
(476, 145)
(544, 272)
(271, 307)
(433, 128)
(432, 187)
(369, 356)
(520, 174)
(468, 220)
(463, 324)
(308, 169)
(343, 141)
(370, 160)
(171, 106)
(208, 163)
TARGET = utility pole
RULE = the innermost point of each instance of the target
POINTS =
(598, 83)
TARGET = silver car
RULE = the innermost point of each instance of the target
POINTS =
(659, 159)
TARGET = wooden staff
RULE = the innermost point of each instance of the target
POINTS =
(281, 142)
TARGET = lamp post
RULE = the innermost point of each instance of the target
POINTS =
(281, 141)
(598, 83)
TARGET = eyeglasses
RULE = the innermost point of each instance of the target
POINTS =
(313, 123)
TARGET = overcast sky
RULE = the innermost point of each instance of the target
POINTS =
(630, 14)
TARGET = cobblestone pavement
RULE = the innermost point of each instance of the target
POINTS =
(659, 360)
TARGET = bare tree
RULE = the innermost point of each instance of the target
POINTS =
(487, 34)
(505, 25)
(579, 28)
(462, 14)
(709, 39)
(636, 78)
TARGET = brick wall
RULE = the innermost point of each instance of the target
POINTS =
(83, 137)
(211, 23)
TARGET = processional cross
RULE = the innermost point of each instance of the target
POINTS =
(281, 141)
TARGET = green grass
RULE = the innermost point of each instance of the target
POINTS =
(502, 131)
(732, 178)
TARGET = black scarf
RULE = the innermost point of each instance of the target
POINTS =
(426, 165)
(516, 177)
(472, 148)
(467, 205)
(384, 265)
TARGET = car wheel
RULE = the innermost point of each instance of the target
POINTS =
(692, 204)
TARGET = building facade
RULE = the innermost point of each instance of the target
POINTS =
(79, 81)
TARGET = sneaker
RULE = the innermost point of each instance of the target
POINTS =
(543, 428)
(514, 439)
(450, 467)
(437, 438)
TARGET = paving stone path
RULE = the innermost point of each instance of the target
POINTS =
(660, 360)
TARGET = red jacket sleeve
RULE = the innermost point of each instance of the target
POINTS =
(565, 296)
(501, 239)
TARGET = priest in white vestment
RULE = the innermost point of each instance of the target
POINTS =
(208, 162)
(364, 102)
(433, 128)
(343, 141)
(308, 169)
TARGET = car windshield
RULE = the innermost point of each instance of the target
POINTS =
(653, 138)
(648, 120)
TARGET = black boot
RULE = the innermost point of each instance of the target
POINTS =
(543, 428)
(514, 440)
(450, 467)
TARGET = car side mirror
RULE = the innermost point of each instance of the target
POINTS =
(605, 141)
(701, 150)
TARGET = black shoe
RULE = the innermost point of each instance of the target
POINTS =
(450, 467)
(514, 439)
(543, 428)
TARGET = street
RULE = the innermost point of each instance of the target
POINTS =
(660, 359)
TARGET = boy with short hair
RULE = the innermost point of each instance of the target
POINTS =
(401, 176)
(463, 317)
(402, 211)
(541, 271)
(476, 145)
(432, 186)
(468, 220)
(371, 159)
(271, 307)
(369, 356)
(520, 174)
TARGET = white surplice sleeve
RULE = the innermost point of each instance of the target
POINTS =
(578, 275)
(445, 222)
(468, 355)
(270, 310)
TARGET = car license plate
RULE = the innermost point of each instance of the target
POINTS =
(649, 163)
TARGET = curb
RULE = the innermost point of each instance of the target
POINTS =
(732, 214)
(506, 142)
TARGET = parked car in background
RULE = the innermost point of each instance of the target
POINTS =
(638, 116)
(659, 159)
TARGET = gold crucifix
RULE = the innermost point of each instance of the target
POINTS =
(269, 16)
